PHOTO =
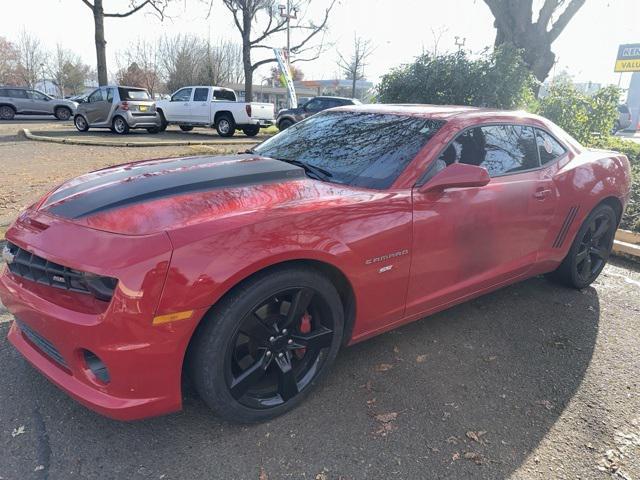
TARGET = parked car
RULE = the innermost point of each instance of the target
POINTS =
(250, 271)
(624, 119)
(216, 107)
(289, 116)
(26, 101)
(118, 108)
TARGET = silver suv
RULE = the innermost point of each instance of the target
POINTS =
(118, 108)
(25, 101)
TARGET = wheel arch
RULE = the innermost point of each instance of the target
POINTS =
(221, 113)
(615, 203)
(285, 117)
(12, 107)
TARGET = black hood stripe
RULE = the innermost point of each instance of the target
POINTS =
(152, 185)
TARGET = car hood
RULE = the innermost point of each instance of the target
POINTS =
(147, 197)
(291, 111)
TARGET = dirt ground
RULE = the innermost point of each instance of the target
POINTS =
(531, 382)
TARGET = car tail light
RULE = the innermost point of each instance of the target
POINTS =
(248, 108)
(124, 105)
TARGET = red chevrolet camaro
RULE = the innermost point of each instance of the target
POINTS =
(250, 271)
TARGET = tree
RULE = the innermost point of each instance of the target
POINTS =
(139, 66)
(353, 67)
(31, 58)
(67, 71)
(514, 24)
(265, 13)
(99, 15)
(498, 79)
(276, 78)
(8, 62)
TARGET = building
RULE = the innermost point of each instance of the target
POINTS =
(337, 87)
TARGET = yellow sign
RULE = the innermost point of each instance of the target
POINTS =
(628, 59)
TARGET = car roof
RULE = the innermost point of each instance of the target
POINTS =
(439, 112)
(333, 97)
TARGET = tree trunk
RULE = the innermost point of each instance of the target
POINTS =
(353, 87)
(246, 57)
(98, 20)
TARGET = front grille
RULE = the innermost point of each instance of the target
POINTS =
(40, 270)
(43, 344)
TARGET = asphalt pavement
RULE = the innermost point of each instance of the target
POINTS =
(532, 381)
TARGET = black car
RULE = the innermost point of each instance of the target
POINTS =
(289, 116)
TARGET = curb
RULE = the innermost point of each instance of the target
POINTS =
(26, 133)
(627, 244)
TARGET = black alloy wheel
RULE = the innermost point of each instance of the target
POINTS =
(261, 350)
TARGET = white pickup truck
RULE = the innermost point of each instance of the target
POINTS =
(217, 107)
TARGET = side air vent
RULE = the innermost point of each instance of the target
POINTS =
(562, 234)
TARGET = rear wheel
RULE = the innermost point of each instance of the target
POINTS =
(7, 113)
(186, 128)
(225, 125)
(163, 121)
(62, 113)
(81, 123)
(251, 131)
(590, 250)
(120, 125)
(260, 351)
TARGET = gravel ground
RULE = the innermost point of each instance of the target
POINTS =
(531, 382)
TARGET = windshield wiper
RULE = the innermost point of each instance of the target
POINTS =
(315, 172)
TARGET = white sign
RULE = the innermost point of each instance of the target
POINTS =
(284, 68)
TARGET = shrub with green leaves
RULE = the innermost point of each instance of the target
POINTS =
(496, 78)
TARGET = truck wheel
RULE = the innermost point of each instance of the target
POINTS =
(225, 126)
(284, 124)
(186, 128)
(251, 131)
(260, 351)
(163, 122)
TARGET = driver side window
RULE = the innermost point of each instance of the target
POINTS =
(314, 105)
(32, 94)
(182, 95)
(95, 96)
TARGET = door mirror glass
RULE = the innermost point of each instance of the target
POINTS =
(458, 175)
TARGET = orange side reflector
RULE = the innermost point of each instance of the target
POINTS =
(172, 317)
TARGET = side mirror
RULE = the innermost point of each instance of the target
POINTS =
(458, 175)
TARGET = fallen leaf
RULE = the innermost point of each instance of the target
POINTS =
(371, 402)
(38, 468)
(263, 474)
(476, 436)
(18, 431)
(383, 367)
(453, 440)
(421, 358)
(368, 386)
(386, 417)
(474, 456)
(546, 404)
(321, 476)
(396, 349)
(455, 456)
(492, 358)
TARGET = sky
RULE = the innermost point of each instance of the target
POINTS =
(398, 30)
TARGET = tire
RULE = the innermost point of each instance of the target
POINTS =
(119, 125)
(590, 249)
(284, 124)
(163, 122)
(81, 123)
(284, 372)
(186, 128)
(252, 130)
(7, 112)
(62, 113)
(225, 125)
(153, 130)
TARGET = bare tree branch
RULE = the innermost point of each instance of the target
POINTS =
(564, 18)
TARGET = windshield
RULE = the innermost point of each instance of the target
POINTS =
(355, 148)
(131, 94)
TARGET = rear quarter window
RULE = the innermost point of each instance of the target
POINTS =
(133, 94)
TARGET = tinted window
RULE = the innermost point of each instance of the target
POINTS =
(133, 94)
(96, 96)
(16, 93)
(363, 149)
(183, 95)
(226, 95)
(201, 95)
(35, 95)
(501, 149)
(314, 105)
(3, 93)
(548, 147)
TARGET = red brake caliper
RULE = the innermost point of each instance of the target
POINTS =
(305, 327)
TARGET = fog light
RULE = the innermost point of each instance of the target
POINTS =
(97, 367)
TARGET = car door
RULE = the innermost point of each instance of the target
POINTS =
(177, 110)
(92, 107)
(39, 102)
(200, 108)
(103, 106)
(468, 239)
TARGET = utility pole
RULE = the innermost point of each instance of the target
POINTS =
(460, 41)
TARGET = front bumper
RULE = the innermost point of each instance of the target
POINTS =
(144, 361)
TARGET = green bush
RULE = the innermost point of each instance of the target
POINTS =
(495, 79)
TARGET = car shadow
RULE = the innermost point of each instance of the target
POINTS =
(502, 367)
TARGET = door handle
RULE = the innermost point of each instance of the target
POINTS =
(542, 193)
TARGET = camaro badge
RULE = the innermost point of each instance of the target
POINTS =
(7, 256)
(388, 256)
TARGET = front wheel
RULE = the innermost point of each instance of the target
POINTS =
(284, 124)
(590, 250)
(81, 123)
(252, 130)
(260, 351)
(120, 125)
